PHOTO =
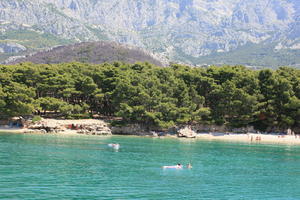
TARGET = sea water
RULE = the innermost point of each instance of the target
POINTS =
(85, 167)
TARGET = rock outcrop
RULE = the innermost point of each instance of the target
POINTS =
(95, 129)
(11, 48)
(88, 126)
(186, 132)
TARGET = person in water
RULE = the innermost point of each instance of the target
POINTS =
(189, 166)
(115, 146)
(179, 165)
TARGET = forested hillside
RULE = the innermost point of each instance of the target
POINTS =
(154, 96)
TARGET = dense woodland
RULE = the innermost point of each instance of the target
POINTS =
(154, 96)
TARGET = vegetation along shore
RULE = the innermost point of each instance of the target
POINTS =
(154, 98)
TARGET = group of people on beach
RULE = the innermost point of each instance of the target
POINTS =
(257, 138)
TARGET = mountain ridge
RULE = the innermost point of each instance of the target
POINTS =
(173, 28)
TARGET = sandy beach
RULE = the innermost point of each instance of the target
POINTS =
(11, 130)
(248, 138)
(251, 137)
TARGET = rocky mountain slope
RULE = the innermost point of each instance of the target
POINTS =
(91, 52)
(192, 31)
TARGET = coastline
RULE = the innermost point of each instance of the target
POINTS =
(231, 137)
(30, 131)
(100, 127)
(12, 130)
(251, 138)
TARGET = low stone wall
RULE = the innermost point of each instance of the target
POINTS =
(202, 128)
(136, 129)
(131, 129)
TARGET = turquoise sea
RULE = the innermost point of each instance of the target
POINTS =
(84, 167)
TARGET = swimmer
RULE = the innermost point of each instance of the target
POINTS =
(115, 146)
(178, 166)
(189, 166)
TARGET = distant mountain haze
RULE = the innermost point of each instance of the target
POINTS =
(250, 32)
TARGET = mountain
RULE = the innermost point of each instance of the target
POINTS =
(251, 32)
(91, 52)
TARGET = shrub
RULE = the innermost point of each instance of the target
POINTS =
(36, 119)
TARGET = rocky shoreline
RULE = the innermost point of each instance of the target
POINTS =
(86, 126)
(100, 127)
